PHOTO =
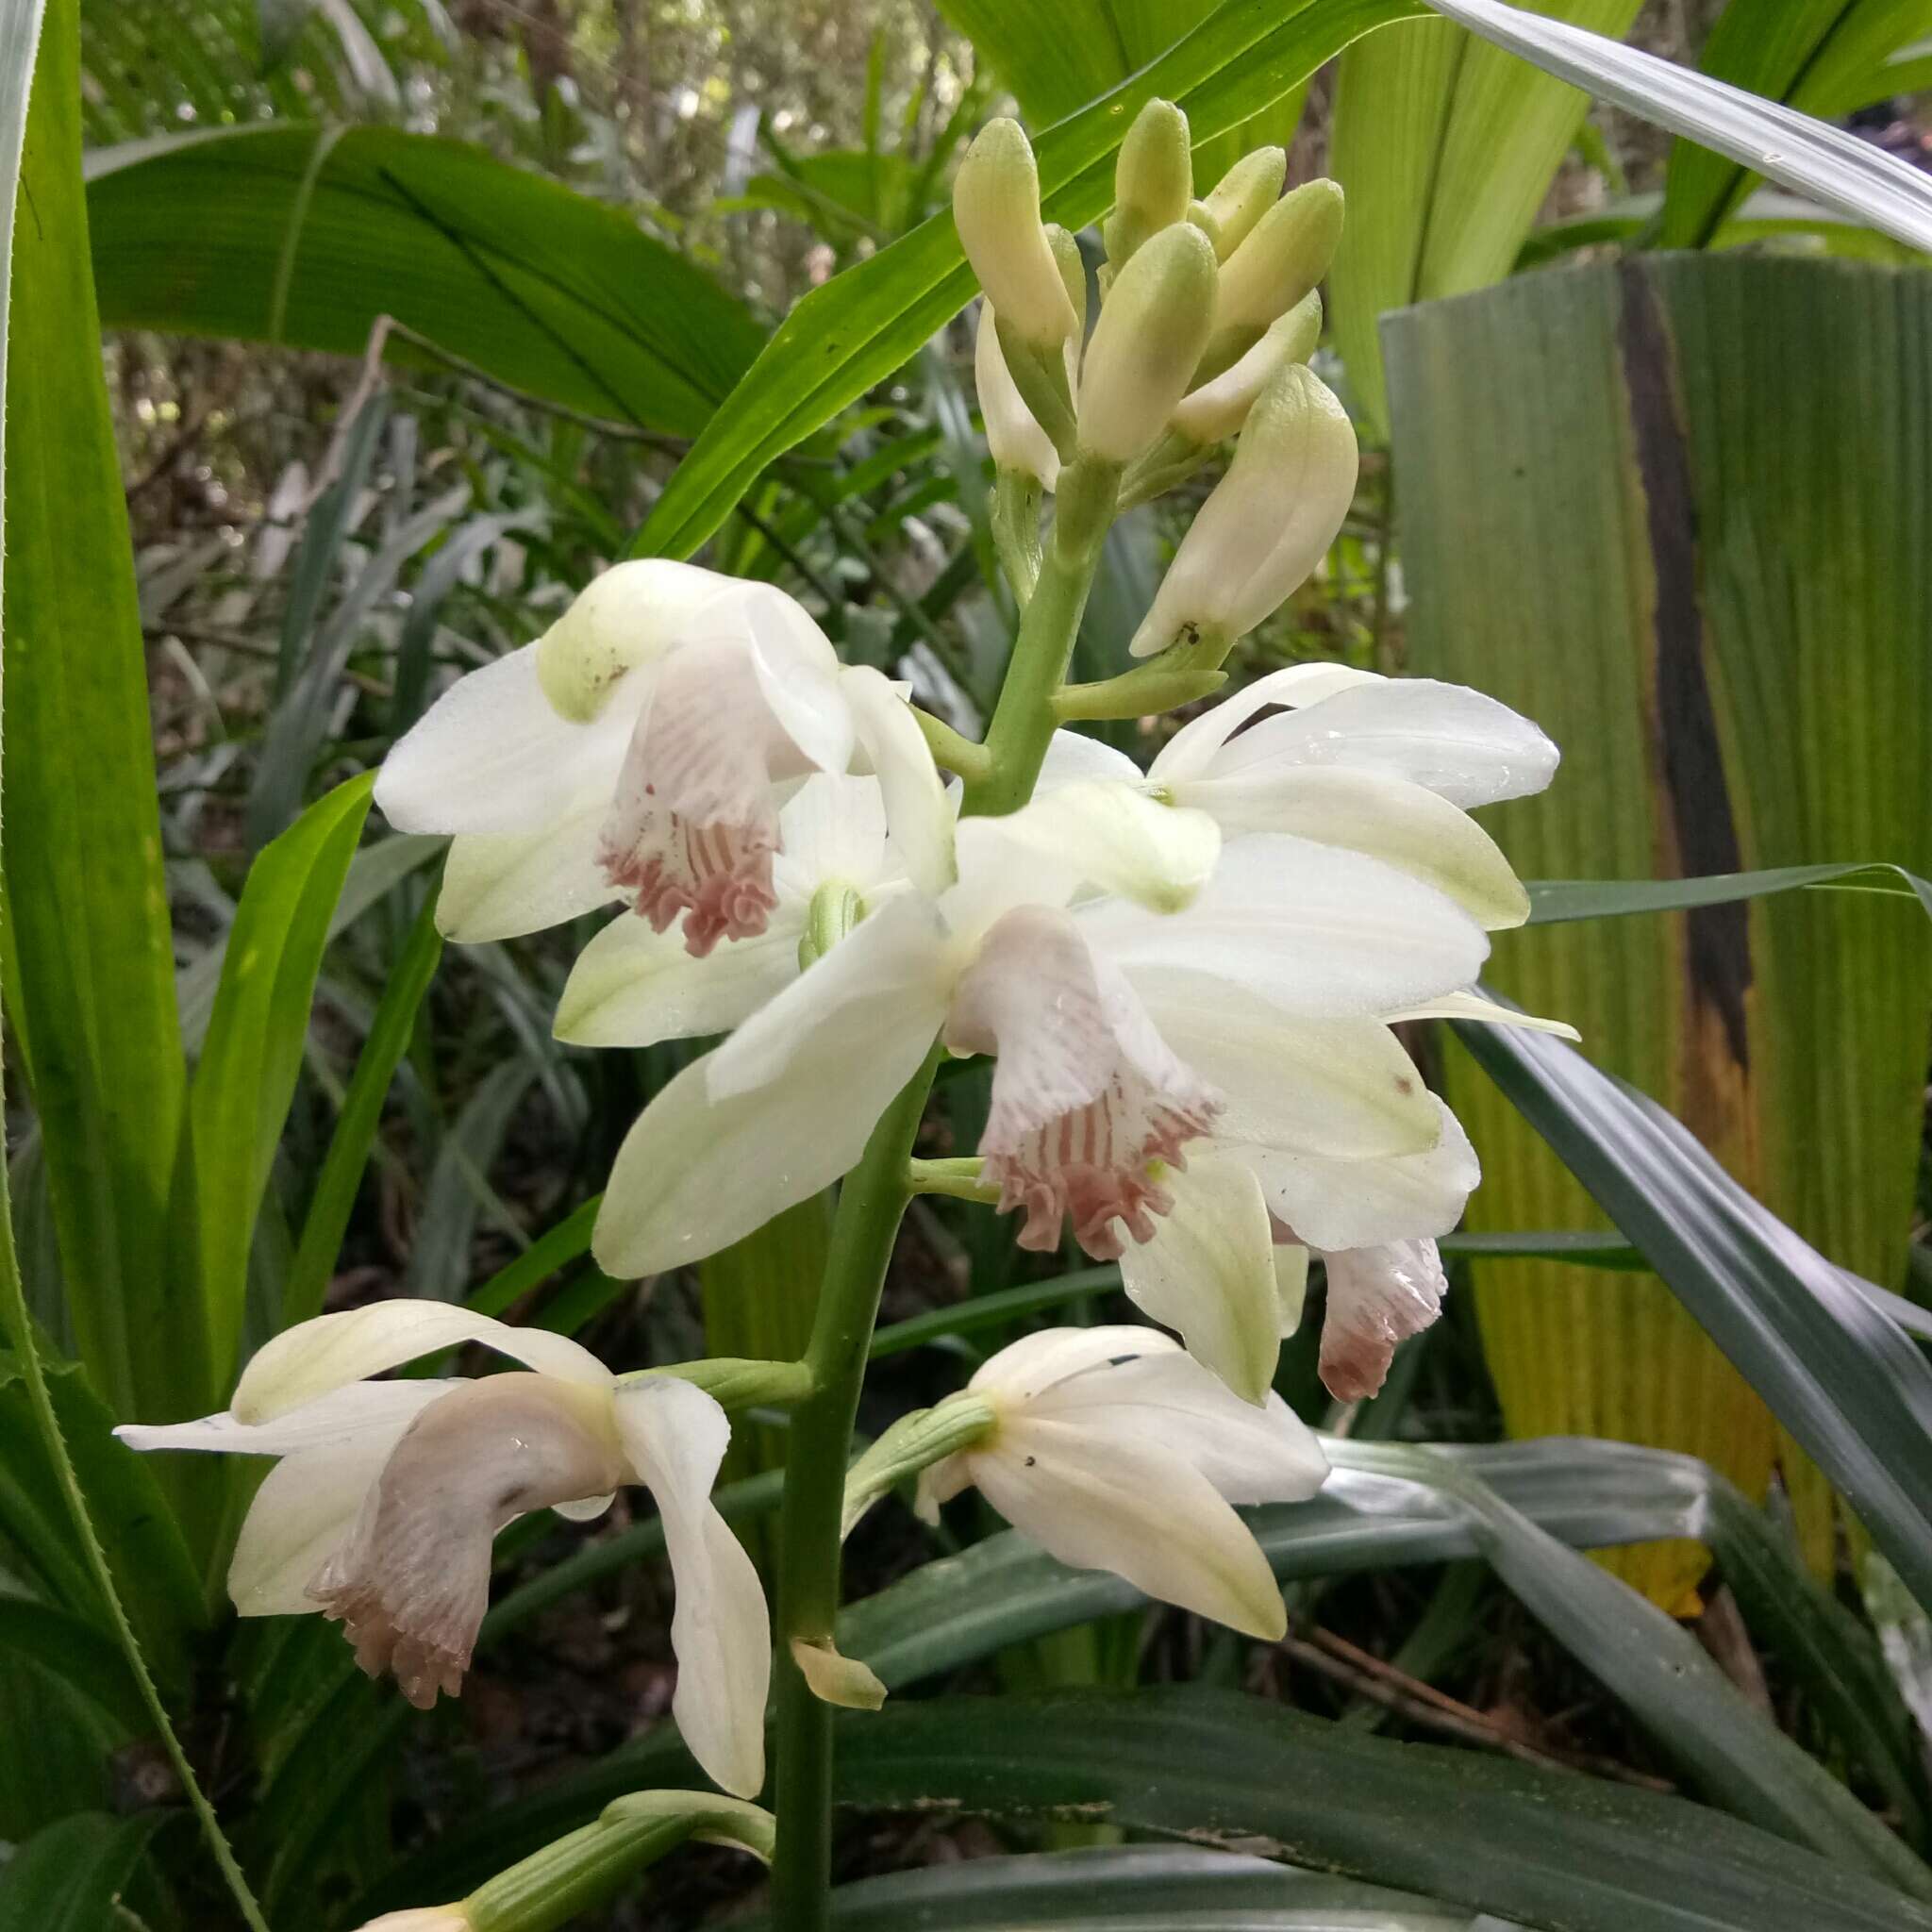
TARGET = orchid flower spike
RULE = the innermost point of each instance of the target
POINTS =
(1113, 1450)
(1377, 765)
(382, 1507)
(1090, 1104)
(638, 751)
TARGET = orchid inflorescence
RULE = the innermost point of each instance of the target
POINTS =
(1187, 980)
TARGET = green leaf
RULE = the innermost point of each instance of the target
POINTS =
(1809, 53)
(336, 1187)
(69, 1876)
(1545, 1849)
(863, 324)
(1136, 1888)
(90, 963)
(1056, 57)
(76, 1652)
(1824, 162)
(1447, 149)
(249, 1063)
(305, 236)
(1845, 1379)
(1696, 484)
(1554, 901)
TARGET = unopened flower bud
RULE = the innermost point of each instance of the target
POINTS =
(1284, 254)
(1017, 442)
(1218, 408)
(996, 208)
(1269, 521)
(1072, 268)
(1241, 197)
(1153, 180)
(1152, 329)
(424, 1918)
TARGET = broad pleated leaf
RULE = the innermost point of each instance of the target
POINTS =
(1675, 511)
(1446, 147)
(303, 236)
(1545, 1849)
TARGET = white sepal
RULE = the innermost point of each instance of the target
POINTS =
(318, 1355)
(1209, 1273)
(1016, 442)
(674, 1437)
(634, 987)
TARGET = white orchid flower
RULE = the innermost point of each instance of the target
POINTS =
(1113, 1450)
(1326, 1139)
(1087, 1096)
(1383, 766)
(382, 1507)
(639, 751)
(633, 986)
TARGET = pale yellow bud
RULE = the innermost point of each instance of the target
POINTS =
(996, 210)
(423, 1919)
(1153, 180)
(1284, 256)
(1241, 197)
(1017, 442)
(1067, 258)
(1218, 408)
(1269, 522)
(1152, 329)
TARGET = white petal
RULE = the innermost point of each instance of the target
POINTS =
(920, 819)
(890, 971)
(1100, 1502)
(411, 1582)
(1342, 1088)
(1355, 1204)
(492, 755)
(315, 1357)
(1319, 932)
(798, 673)
(1406, 826)
(501, 885)
(302, 1514)
(674, 1436)
(1290, 1283)
(627, 619)
(1093, 834)
(632, 985)
(339, 1417)
(1472, 1006)
(1250, 1452)
(1453, 741)
(1026, 1368)
(1086, 1094)
(832, 829)
(1209, 1272)
(1072, 755)
(697, 1173)
(1376, 1297)
(1189, 753)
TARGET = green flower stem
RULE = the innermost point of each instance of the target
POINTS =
(959, 1180)
(951, 751)
(738, 1382)
(1022, 720)
(870, 1201)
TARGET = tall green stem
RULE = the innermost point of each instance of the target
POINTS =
(872, 1199)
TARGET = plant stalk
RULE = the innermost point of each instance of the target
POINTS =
(871, 1200)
